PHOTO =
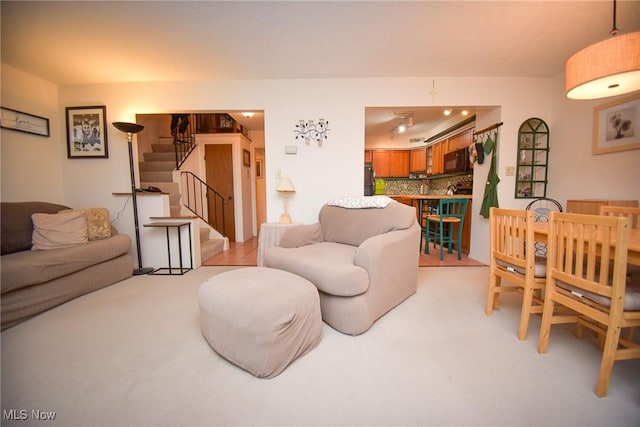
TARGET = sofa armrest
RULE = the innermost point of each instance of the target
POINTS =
(301, 235)
(391, 259)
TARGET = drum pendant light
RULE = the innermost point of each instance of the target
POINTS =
(607, 68)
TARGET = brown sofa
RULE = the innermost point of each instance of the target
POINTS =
(364, 261)
(33, 281)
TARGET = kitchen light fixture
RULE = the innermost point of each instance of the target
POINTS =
(248, 114)
(285, 187)
(130, 129)
(447, 112)
(607, 68)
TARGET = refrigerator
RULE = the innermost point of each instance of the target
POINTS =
(369, 179)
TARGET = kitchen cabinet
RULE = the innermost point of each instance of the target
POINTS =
(533, 159)
(460, 141)
(400, 163)
(381, 162)
(592, 206)
(438, 159)
(391, 163)
(418, 160)
(368, 156)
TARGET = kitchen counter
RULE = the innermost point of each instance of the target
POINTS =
(432, 196)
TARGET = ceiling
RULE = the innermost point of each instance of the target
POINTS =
(108, 41)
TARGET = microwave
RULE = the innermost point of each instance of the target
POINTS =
(456, 161)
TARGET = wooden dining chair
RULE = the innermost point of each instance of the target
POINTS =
(633, 213)
(440, 227)
(586, 273)
(542, 208)
(512, 258)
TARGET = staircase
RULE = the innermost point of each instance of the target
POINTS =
(156, 170)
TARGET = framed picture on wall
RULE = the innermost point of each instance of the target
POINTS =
(616, 125)
(86, 132)
(246, 158)
(259, 171)
(23, 122)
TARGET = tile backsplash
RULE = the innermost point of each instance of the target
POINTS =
(431, 186)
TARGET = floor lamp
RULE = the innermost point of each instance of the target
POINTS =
(130, 129)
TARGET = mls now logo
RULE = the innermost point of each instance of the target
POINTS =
(23, 414)
(15, 414)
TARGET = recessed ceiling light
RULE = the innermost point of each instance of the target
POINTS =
(447, 112)
(248, 114)
(465, 112)
(401, 128)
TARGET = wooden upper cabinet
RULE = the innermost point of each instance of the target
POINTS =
(459, 141)
(400, 163)
(438, 159)
(368, 156)
(391, 163)
(382, 162)
(418, 162)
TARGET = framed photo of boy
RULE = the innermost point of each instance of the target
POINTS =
(616, 125)
(86, 132)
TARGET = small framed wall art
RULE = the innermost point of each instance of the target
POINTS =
(23, 122)
(616, 125)
(86, 132)
(246, 157)
(259, 169)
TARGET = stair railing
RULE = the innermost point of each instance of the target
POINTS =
(199, 195)
(183, 136)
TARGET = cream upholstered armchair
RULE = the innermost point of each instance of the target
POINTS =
(363, 260)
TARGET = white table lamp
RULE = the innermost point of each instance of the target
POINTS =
(285, 187)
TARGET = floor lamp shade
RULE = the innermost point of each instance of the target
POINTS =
(285, 187)
(607, 68)
(130, 129)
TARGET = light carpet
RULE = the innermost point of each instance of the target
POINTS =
(132, 354)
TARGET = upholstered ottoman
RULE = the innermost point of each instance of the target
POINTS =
(260, 319)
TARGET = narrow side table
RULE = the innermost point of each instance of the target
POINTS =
(173, 270)
(269, 236)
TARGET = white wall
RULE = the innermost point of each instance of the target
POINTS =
(321, 173)
(575, 172)
(32, 164)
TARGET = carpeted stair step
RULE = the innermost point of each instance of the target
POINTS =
(162, 157)
(157, 166)
(157, 176)
(211, 248)
(162, 148)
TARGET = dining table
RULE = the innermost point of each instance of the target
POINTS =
(541, 232)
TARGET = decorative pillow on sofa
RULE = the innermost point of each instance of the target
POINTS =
(64, 229)
(98, 222)
(361, 202)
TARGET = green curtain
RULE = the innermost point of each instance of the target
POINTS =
(490, 198)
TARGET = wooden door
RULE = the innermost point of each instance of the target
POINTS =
(219, 172)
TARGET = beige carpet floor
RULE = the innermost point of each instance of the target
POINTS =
(133, 355)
